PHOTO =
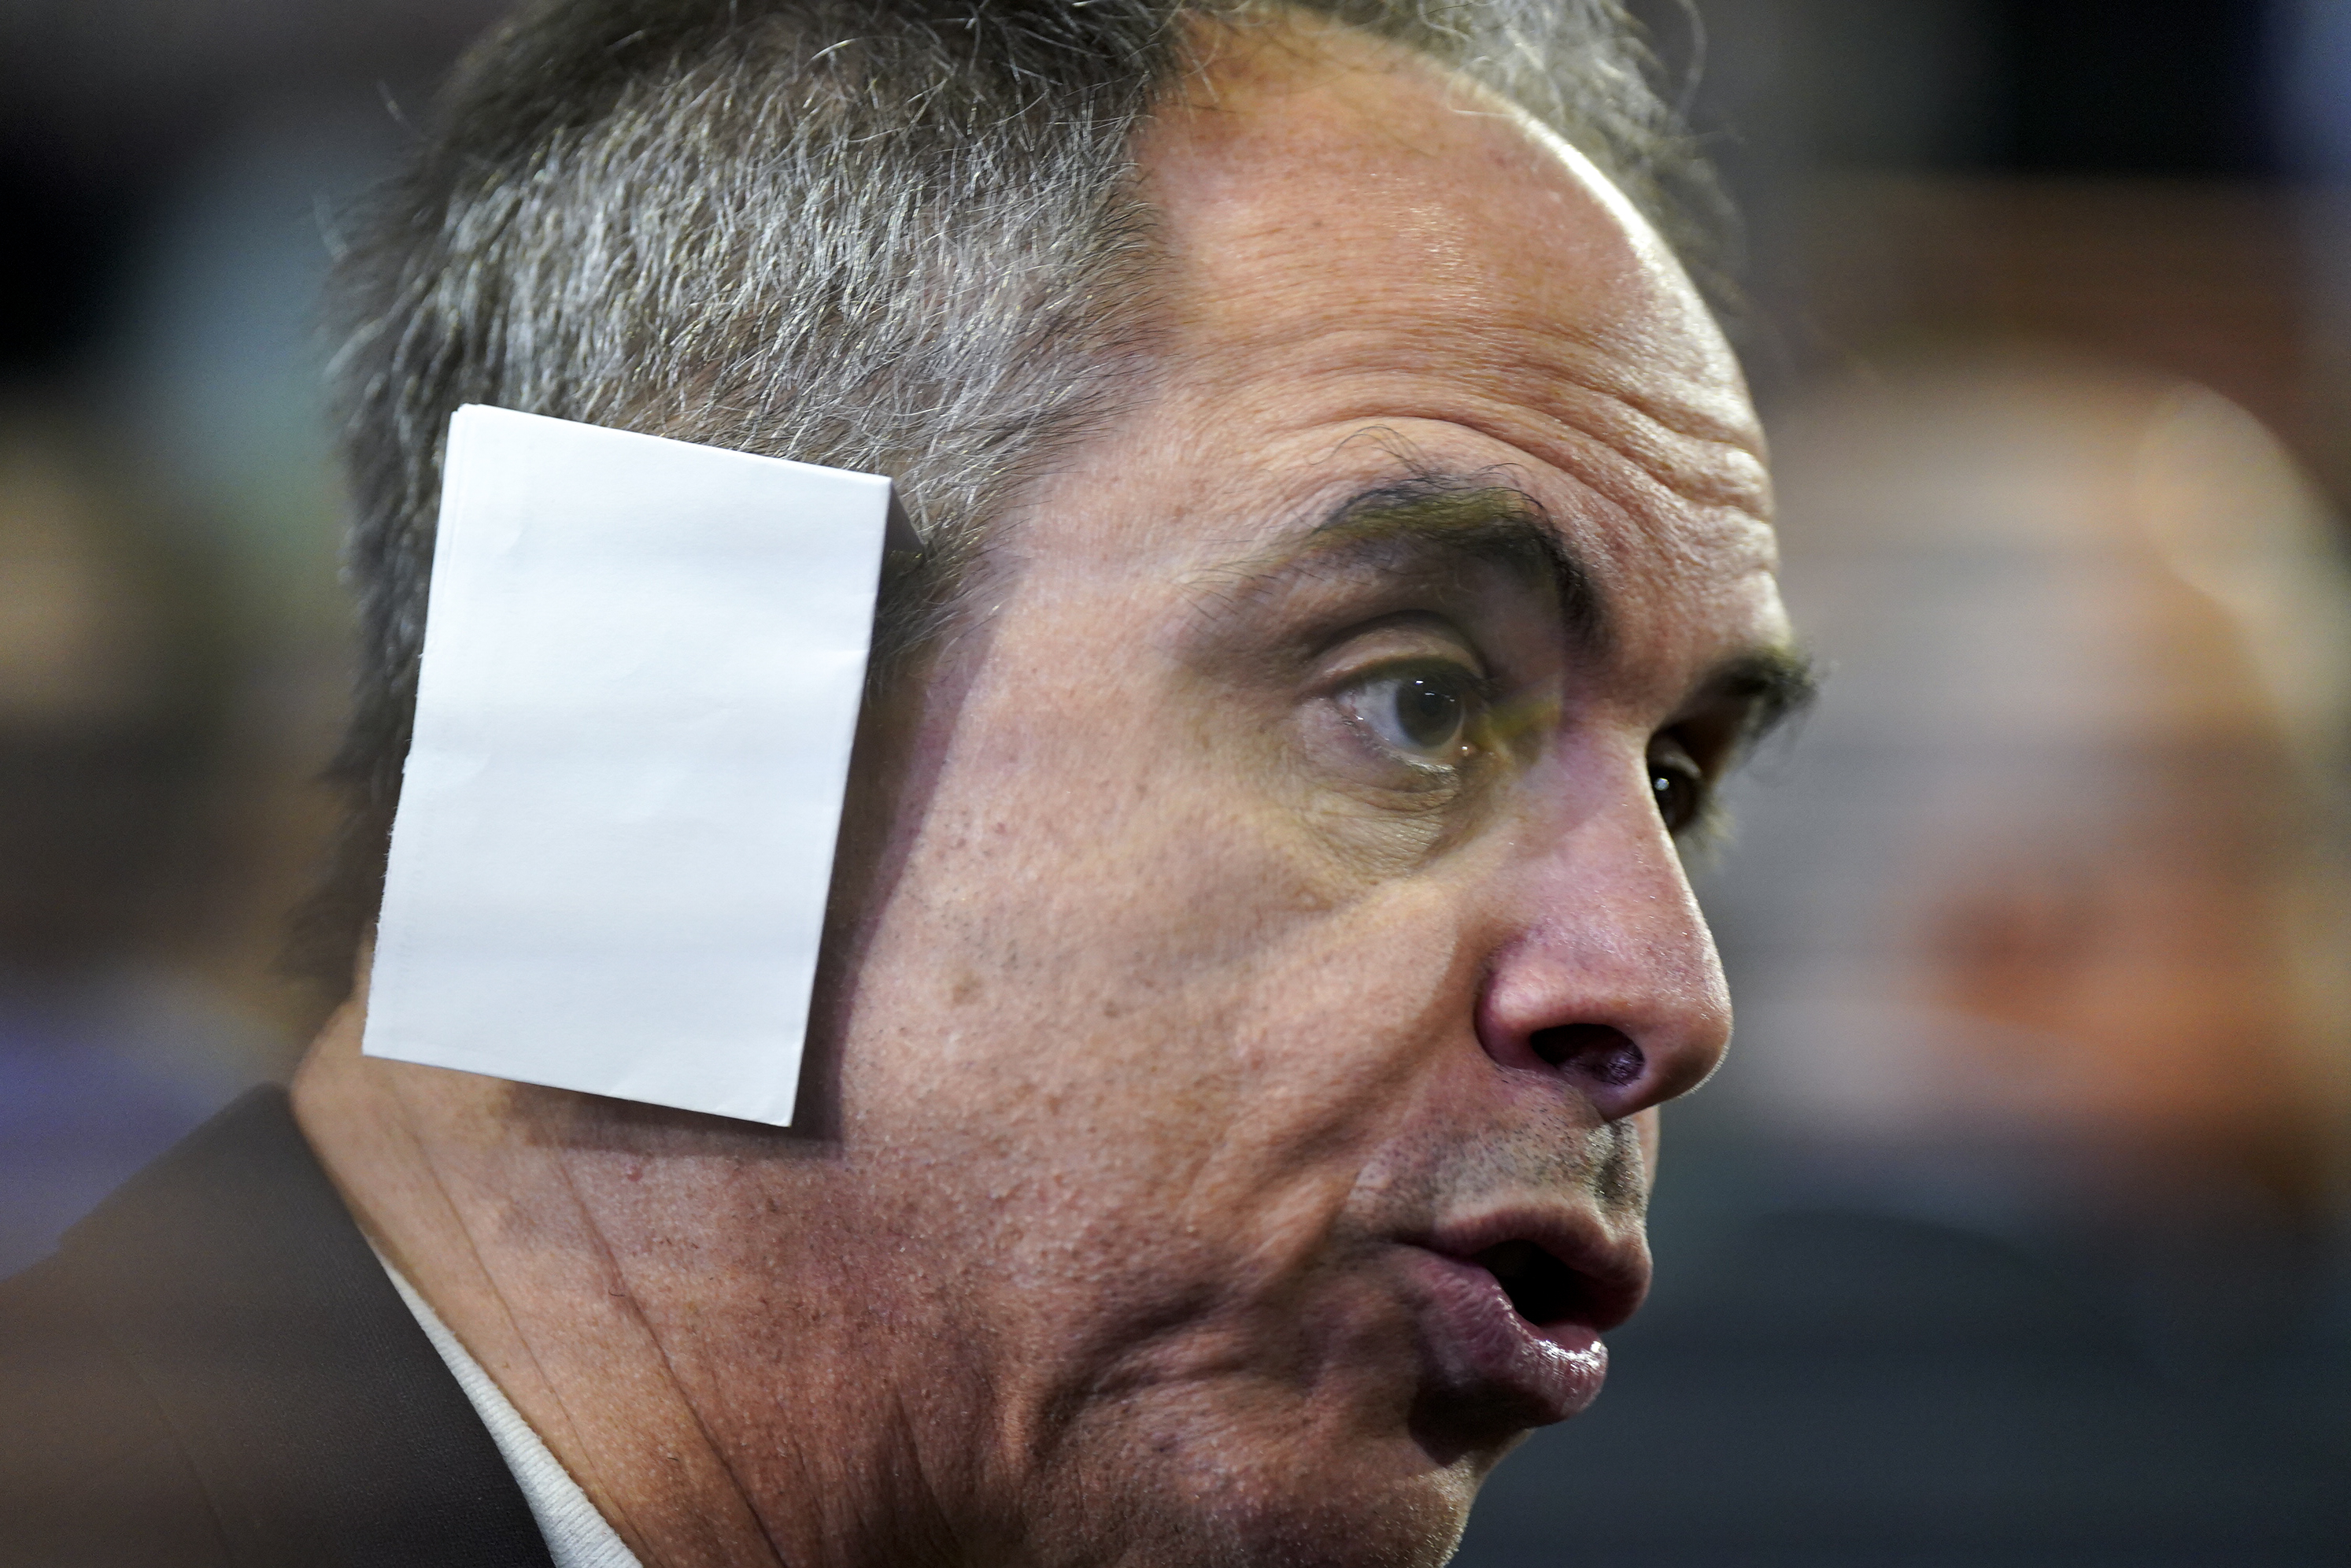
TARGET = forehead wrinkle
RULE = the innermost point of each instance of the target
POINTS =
(1705, 458)
(1701, 455)
(1576, 406)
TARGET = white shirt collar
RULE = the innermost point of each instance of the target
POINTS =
(576, 1536)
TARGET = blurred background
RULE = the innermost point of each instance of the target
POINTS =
(2017, 1228)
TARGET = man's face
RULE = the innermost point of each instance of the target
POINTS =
(1279, 939)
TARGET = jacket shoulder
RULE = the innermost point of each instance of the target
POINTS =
(91, 1472)
(214, 1369)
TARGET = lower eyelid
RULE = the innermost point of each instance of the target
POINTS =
(1410, 782)
(1410, 775)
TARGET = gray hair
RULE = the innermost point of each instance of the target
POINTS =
(900, 236)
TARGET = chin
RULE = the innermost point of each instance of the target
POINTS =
(1332, 1515)
(1223, 1491)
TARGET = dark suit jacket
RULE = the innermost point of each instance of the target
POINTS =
(213, 1370)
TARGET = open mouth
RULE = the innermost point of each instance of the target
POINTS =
(1512, 1329)
(1541, 1289)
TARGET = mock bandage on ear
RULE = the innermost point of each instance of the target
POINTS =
(643, 665)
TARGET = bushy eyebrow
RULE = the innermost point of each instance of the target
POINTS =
(1426, 520)
(1769, 686)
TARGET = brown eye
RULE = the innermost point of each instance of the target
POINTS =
(1428, 714)
(1423, 715)
(1678, 788)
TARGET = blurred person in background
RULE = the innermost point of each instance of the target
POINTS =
(2010, 1232)
(2044, 918)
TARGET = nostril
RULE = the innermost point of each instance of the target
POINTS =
(1594, 1050)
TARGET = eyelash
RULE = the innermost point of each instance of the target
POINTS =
(1415, 694)
(1691, 814)
(1670, 767)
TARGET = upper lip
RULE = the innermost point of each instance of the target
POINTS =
(1605, 1277)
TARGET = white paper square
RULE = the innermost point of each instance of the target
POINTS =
(643, 665)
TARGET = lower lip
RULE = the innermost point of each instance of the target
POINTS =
(1480, 1348)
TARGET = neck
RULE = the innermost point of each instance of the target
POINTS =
(608, 1329)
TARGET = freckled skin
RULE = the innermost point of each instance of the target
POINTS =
(1159, 1004)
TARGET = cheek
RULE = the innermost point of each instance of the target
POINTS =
(1187, 1037)
(1089, 860)
(1120, 991)
(1198, 986)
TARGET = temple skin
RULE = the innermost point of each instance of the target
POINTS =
(1172, 1016)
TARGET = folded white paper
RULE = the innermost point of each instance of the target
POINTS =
(643, 665)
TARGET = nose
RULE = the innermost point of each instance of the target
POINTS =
(1607, 977)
